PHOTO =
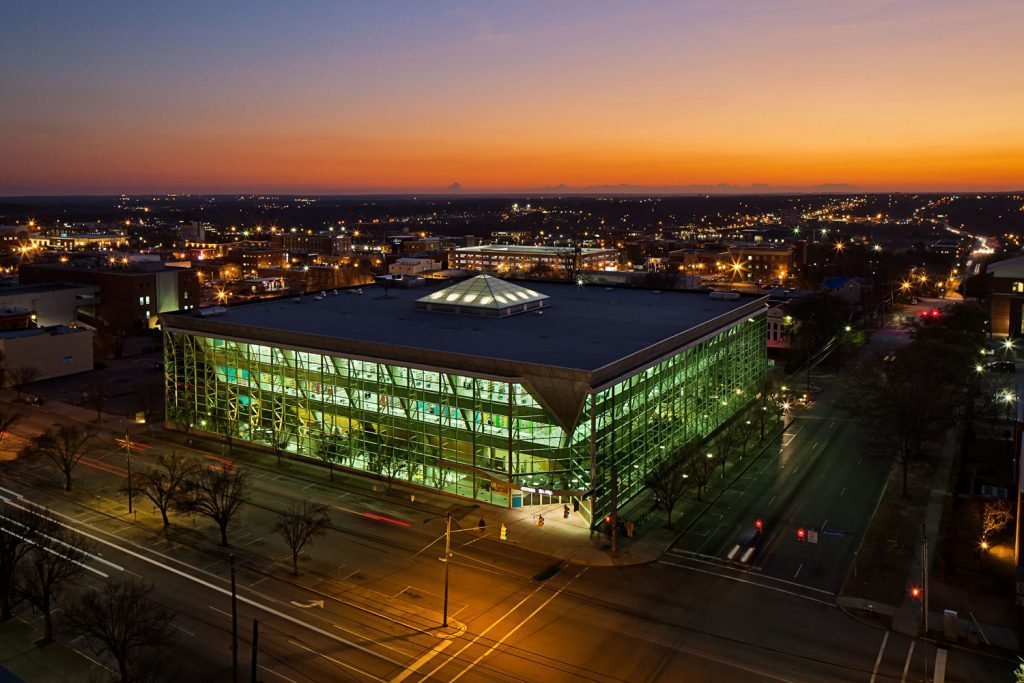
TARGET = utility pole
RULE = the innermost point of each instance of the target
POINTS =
(924, 579)
(234, 622)
(447, 555)
(128, 450)
(255, 648)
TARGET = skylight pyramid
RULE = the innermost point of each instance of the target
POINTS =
(485, 296)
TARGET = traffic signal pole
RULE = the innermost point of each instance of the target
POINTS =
(447, 556)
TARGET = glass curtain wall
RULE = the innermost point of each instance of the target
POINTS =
(652, 415)
(469, 436)
(464, 435)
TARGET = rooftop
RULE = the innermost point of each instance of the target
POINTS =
(516, 249)
(483, 295)
(583, 328)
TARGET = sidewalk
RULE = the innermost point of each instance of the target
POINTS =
(55, 662)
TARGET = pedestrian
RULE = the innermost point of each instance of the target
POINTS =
(540, 521)
(565, 512)
(630, 528)
(481, 525)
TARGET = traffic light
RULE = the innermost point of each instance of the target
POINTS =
(758, 525)
(504, 532)
(915, 593)
(801, 534)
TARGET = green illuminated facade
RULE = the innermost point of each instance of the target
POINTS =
(504, 438)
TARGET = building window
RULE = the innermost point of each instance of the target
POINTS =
(1017, 287)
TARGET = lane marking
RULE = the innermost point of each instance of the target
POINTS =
(412, 668)
(518, 626)
(906, 664)
(225, 591)
(798, 570)
(336, 661)
(758, 584)
(843, 491)
(282, 676)
(484, 632)
(878, 659)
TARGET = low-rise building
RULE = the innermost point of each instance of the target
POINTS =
(1006, 303)
(51, 303)
(413, 266)
(506, 258)
(53, 351)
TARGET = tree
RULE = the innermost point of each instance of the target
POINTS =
(8, 418)
(149, 398)
(167, 484)
(730, 440)
(299, 525)
(279, 440)
(668, 482)
(21, 525)
(766, 403)
(18, 377)
(98, 393)
(569, 262)
(700, 469)
(64, 445)
(56, 560)
(995, 515)
(120, 621)
(385, 459)
(326, 449)
(907, 398)
(216, 493)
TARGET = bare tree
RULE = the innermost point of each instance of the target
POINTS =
(8, 418)
(57, 559)
(279, 439)
(19, 525)
(669, 482)
(227, 428)
(218, 494)
(767, 406)
(98, 392)
(995, 515)
(64, 445)
(299, 525)
(387, 462)
(18, 377)
(327, 449)
(569, 261)
(121, 621)
(149, 398)
(167, 484)
(700, 470)
(729, 441)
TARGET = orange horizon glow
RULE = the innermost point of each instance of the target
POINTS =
(918, 96)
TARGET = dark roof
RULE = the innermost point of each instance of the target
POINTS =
(584, 328)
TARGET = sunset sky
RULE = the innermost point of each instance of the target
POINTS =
(334, 97)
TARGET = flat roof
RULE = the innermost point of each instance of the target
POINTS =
(513, 248)
(584, 328)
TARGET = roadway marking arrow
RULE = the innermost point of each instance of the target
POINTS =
(311, 603)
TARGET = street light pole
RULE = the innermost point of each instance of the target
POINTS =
(447, 556)
(128, 451)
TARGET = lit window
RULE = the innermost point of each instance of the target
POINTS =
(1018, 287)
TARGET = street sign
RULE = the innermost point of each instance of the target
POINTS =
(812, 536)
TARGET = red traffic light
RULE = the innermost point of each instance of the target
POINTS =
(915, 592)
(801, 534)
(759, 525)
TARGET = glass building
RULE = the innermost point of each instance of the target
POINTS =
(509, 409)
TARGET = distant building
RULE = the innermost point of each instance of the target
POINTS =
(851, 289)
(250, 259)
(1007, 298)
(502, 258)
(327, 246)
(54, 351)
(413, 266)
(759, 263)
(80, 242)
(50, 303)
(131, 295)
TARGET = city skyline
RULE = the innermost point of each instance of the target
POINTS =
(476, 99)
